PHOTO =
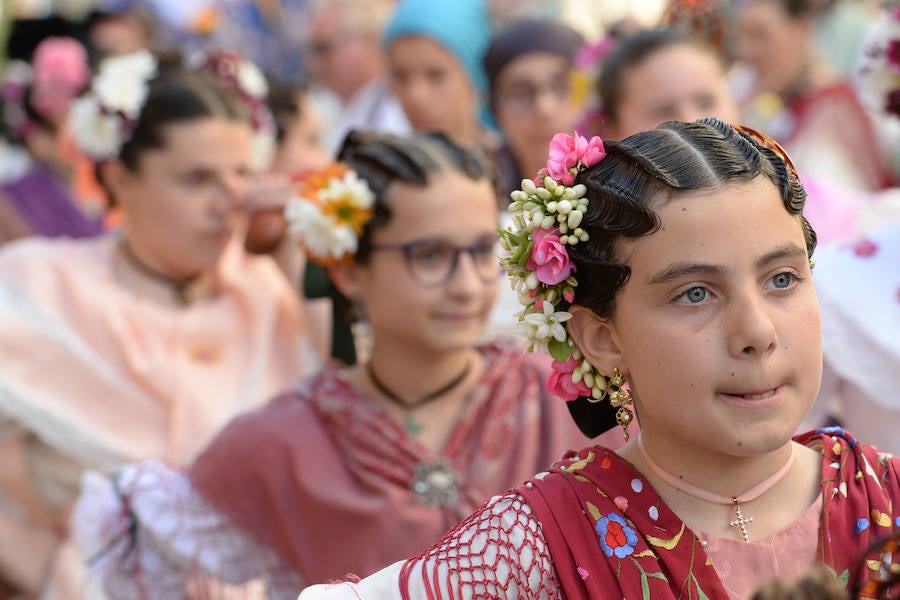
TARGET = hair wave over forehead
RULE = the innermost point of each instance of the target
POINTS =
(661, 163)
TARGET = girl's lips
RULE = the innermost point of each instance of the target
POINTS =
(756, 397)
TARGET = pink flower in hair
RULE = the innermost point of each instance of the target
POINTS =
(60, 72)
(549, 259)
(560, 384)
(568, 153)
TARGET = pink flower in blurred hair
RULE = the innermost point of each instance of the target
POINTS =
(549, 258)
(60, 72)
(567, 153)
(893, 55)
(559, 383)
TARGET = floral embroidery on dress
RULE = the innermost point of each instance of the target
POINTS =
(616, 537)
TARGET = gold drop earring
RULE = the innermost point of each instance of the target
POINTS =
(620, 398)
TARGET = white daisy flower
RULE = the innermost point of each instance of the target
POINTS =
(98, 134)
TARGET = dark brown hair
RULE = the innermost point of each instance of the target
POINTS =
(675, 157)
(285, 100)
(631, 52)
(383, 159)
(178, 95)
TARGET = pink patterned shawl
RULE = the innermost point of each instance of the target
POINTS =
(324, 476)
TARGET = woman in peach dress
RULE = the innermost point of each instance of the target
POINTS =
(142, 343)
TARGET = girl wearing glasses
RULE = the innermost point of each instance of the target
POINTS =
(686, 300)
(355, 467)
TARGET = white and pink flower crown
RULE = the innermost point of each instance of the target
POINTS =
(103, 119)
(878, 74)
(546, 222)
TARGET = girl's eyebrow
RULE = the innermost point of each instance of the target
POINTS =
(678, 270)
(789, 250)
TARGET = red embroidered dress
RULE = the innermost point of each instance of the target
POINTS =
(593, 527)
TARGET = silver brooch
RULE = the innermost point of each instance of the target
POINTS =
(435, 483)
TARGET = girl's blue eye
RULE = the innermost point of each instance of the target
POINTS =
(782, 280)
(694, 295)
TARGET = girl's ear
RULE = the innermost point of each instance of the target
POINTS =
(597, 339)
(347, 278)
(116, 177)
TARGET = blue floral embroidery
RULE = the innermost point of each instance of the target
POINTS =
(839, 430)
(616, 537)
(861, 525)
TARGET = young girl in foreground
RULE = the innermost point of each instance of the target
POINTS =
(695, 305)
(355, 467)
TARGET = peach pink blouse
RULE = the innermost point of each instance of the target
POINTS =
(96, 377)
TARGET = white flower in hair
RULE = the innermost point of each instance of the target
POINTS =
(121, 85)
(329, 213)
(251, 79)
(99, 135)
(140, 65)
(321, 238)
(878, 73)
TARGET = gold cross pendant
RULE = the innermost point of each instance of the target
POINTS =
(741, 521)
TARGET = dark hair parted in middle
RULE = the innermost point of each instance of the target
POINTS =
(178, 95)
(631, 52)
(675, 157)
(383, 159)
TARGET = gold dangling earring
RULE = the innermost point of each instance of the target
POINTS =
(620, 398)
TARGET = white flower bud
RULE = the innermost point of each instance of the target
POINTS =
(596, 393)
(574, 219)
(548, 222)
(589, 378)
(563, 239)
(583, 236)
(543, 193)
(518, 196)
(551, 206)
(576, 376)
(564, 207)
(563, 228)
(528, 186)
(573, 240)
(531, 281)
(550, 184)
(579, 190)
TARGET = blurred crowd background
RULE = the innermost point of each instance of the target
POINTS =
(498, 78)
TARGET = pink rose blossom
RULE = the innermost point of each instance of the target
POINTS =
(559, 383)
(567, 153)
(60, 72)
(549, 258)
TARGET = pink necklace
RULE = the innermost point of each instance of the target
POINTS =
(753, 493)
